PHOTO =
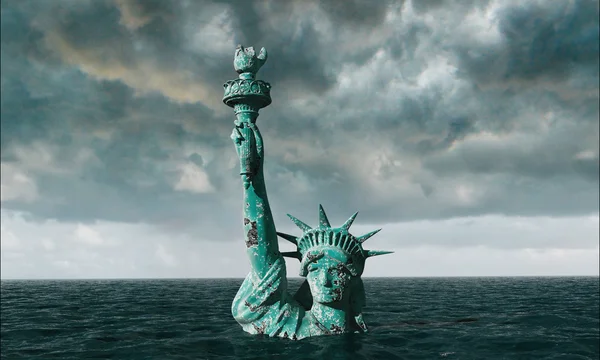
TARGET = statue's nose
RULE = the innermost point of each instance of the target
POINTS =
(325, 279)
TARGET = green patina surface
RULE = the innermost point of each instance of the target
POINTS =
(331, 299)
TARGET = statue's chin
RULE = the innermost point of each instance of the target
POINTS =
(327, 299)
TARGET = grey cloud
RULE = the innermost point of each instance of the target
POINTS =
(557, 157)
(121, 94)
(130, 175)
(357, 12)
(424, 6)
(538, 41)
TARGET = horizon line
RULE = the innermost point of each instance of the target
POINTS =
(301, 278)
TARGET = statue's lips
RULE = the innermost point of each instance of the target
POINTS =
(328, 292)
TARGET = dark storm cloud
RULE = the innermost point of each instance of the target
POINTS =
(105, 102)
(357, 12)
(539, 41)
(289, 38)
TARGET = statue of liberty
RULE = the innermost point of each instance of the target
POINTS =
(331, 299)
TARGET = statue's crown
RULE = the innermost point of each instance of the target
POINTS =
(324, 236)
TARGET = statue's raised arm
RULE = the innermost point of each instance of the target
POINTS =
(330, 301)
(247, 95)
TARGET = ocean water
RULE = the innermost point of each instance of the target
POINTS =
(409, 318)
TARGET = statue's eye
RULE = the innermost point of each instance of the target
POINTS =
(312, 268)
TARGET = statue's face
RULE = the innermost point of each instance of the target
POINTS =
(328, 279)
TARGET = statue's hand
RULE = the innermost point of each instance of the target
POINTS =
(258, 141)
(248, 144)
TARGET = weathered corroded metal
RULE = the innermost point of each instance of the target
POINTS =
(331, 299)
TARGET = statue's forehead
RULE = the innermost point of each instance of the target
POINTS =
(335, 258)
(327, 255)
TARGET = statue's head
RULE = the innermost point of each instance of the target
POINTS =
(327, 274)
(331, 259)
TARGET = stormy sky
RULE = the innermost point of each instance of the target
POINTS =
(467, 130)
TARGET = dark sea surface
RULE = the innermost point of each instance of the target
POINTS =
(409, 318)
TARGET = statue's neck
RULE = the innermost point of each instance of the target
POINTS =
(335, 318)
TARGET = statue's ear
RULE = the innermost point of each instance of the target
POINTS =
(303, 296)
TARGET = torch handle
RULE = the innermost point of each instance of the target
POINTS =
(248, 153)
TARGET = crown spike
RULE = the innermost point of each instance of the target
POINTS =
(323, 221)
(290, 238)
(292, 254)
(336, 239)
(354, 248)
(371, 253)
(349, 222)
(347, 241)
(366, 237)
(299, 223)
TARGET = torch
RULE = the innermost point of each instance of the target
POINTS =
(246, 96)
